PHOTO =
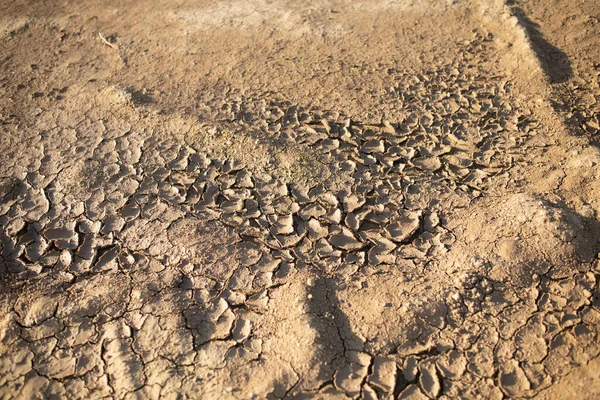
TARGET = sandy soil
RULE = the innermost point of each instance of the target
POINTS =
(251, 199)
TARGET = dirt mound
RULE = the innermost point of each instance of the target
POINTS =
(523, 237)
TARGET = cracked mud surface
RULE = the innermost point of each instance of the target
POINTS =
(367, 199)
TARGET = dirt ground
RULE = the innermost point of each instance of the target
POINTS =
(327, 199)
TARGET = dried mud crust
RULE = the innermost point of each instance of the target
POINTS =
(400, 257)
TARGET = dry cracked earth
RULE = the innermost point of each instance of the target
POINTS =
(299, 199)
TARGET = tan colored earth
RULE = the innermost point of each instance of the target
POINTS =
(268, 199)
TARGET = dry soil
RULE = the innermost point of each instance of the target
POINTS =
(250, 199)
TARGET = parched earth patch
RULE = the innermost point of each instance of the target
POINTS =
(397, 258)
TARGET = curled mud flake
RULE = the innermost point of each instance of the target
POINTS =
(427, 163)
(412, 392)
(513, 380)
(346, 240)
(241, 329)
(373, 146)
(404, 227)
(350, 378)
(383, 375)
(316, 230)
(282, 224)
(351, 202)
(429, 380)
(381, 251)
(244, 180)
(452, 365)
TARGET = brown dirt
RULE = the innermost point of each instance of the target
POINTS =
(293, 199)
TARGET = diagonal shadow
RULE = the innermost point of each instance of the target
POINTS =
(554, 61)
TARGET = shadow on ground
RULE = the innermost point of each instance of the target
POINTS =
(553, 60)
